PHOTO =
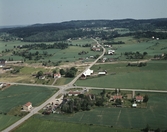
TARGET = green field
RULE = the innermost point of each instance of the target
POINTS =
(82, 42)
(70, 54)
(151, 76)
(152, 47)
(43, 125)
(7, 120)
(17, 95)
(119, 118)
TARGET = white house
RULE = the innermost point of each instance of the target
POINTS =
(111, 52)
(27, 106)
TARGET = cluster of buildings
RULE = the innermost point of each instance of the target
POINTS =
(96, 47)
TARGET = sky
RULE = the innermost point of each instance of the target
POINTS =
(27, 12)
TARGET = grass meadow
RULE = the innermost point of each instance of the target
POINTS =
(105, 118)
(151, 76)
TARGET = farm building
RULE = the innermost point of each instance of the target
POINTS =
(111, 52)
(57, 75)
(42, 77)
(2, 63)
(88, 72)
(139, 98)
(27, 106)
(102, 73)
(1, 85)
(73, 93)
(134, 105)
(107, 46)
(116, 97)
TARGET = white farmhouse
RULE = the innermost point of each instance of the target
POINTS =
(27, 106)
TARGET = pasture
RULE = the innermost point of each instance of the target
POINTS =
(18, 95)
(151, 76)
(105, 117)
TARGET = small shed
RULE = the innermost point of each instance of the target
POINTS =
(102, 73)
(134, 105)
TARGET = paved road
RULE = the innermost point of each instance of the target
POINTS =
(76, 78)
(62, 90)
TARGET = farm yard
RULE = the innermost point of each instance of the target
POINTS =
(12, 98)
(151, 76)
(107, 118)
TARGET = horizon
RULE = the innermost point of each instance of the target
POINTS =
(39, 11)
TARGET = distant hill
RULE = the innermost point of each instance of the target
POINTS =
(59, 31)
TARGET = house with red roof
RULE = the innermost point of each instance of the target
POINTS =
(113, 98)
(139, 98)
(27, 106)
(57, 75)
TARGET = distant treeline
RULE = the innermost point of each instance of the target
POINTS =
(110, 43)
(44, 46)
(73, 29)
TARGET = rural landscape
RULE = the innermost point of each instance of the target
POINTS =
(84, 75)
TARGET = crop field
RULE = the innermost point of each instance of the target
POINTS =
(17, 95)
(152, 47)
(151, 76)
(43, 125)
(71, 54)
(121, 118)
(6, 120)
